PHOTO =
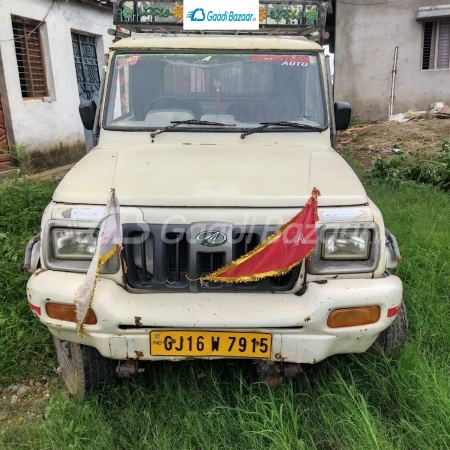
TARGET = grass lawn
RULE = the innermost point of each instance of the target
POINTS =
(347, 402)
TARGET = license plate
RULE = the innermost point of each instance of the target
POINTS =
(210, 343)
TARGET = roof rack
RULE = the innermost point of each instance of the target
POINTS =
(285, 17)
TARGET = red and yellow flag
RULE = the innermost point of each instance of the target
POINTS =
(279, 253)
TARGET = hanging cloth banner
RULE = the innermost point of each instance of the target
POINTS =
(279, 253)
(109, 242)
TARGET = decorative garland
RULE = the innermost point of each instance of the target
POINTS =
(291, 14)
(153, 11)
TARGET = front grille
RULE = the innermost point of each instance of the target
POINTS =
(162, 258)
(177, 256)
(209, 262)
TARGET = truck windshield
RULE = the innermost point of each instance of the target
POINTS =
(148, 91)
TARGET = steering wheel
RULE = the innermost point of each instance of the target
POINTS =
(168, 102)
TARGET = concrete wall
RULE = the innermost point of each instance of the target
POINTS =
(35, 123)
(366, 37)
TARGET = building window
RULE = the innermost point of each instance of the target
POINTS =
(436, 45)
(30, 61)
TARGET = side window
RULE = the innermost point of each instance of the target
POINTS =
(436, 45)
(30, 58)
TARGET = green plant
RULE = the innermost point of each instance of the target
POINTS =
(355, 122)
(446, 146)
(416, 166)
(21, 157)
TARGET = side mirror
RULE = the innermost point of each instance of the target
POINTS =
(87, 109)
(342, 115)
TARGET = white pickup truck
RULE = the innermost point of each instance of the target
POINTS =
(212, 143)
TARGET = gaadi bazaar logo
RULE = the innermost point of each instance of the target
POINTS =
(199, 15)
(238, 15)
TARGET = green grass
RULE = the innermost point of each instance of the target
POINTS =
(347, 402)
(24, 346)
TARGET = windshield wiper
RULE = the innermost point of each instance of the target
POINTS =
(175, 123)
(280, 124)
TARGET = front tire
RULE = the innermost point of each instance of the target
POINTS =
(393, 338)
(83, 368)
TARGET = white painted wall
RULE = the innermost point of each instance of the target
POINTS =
(37, 124)
(366, 37)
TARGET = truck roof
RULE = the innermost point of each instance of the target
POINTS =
(220, 42)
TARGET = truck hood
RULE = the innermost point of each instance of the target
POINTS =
(192, 175)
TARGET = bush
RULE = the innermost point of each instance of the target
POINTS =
(416, 166)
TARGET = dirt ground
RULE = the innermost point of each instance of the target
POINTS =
(26, 401)
(364, 142)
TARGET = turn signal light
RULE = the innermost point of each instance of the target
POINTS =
(65, 312)
(353, 317)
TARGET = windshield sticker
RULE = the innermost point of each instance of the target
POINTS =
(297, 64)
(132, 60)
(282, 58)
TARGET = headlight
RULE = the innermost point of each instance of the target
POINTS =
(346, 244)
(70, 245)
(74, 243)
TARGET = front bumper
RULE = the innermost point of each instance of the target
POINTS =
(298, 324)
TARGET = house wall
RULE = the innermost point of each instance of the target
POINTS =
(366, 37)
(49, 125)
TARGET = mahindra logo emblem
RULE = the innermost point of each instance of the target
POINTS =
(211, 238)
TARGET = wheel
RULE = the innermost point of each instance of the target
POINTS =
(83, 368)
(393, 338)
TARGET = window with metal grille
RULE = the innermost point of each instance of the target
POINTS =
(436, 45)
(30, 61)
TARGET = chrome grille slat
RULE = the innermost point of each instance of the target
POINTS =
(178, 260)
